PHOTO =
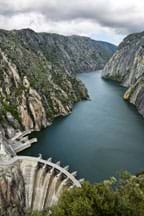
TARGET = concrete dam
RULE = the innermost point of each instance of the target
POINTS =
(44, 181)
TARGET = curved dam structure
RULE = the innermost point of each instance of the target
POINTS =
(43, 180)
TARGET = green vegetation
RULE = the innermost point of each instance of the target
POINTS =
(6, 107)
(12, 109)
(123, 197)
(36, 213)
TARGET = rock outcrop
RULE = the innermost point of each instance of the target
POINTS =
(12, 191)
(127, 67)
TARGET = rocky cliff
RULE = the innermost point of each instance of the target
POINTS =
(127, 67)
(12, 190)
(36, 81)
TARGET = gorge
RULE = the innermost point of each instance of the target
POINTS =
(36, 79)
(38, 84)
(71, 108)
(42, 77)
(102, 136)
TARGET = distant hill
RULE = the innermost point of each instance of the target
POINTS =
(70, 53)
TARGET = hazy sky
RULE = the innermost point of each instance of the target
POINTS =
(108, 20)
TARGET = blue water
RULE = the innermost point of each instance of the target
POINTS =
(100, 138)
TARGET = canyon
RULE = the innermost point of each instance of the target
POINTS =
(38, 84)
(36, 79)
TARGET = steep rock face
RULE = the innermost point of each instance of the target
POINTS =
(12, 191)
(33, 88)
(127, 67)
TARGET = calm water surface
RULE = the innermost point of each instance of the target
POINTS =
(100, 138)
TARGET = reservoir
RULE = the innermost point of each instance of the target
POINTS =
(100, 138)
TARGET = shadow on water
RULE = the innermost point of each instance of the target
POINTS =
(101, 136)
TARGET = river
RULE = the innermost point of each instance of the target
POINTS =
(100, 138)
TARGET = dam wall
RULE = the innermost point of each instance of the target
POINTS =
(44, 180)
